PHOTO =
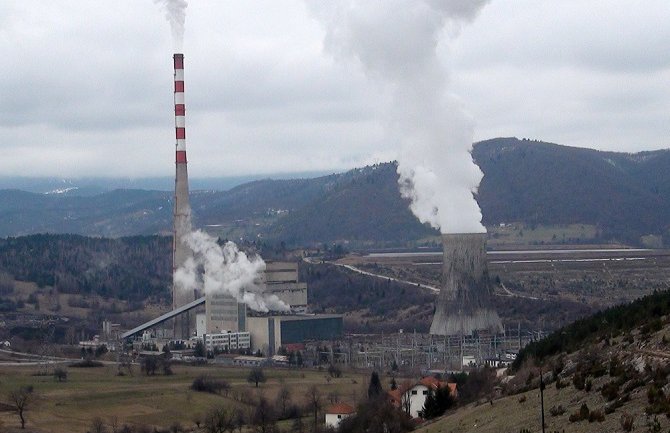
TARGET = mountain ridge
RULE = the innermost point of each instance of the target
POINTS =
(625, 195)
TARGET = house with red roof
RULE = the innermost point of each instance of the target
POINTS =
(411, 397)
(337, 412)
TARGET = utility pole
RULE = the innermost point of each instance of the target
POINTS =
(542, 398)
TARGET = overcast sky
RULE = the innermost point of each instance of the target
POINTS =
(86, 86)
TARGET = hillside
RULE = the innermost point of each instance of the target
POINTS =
(624, 196)
(540, 183)
(607, 372)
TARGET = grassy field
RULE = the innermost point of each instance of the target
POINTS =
(155, 401)
(521, 234)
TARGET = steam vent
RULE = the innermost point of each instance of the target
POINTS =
(463, 305)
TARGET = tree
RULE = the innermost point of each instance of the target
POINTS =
(314, 403)
(377, 416)
(20, 399)
(149, 365)
(199, 349)
(437, 402)
(60, 374)
(264, 416)
(375, 387)
(218, 420)
(283, 401)
(334, 371)
(97, 425)
(256, 376)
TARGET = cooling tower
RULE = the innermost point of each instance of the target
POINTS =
(463, 304)
(182, 218)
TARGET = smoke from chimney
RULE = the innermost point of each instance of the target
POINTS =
(225, 269)
(175, 13)
(396, 41)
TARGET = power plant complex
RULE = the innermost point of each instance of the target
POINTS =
(222, 321)
(217, 318)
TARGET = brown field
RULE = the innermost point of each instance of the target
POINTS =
(154, 401)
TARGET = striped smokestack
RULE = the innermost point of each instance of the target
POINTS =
(182, 210)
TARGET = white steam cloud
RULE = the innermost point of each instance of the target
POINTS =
(175, 13)
(226, 270)
(396, 41)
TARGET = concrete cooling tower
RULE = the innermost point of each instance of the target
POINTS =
(463, 304)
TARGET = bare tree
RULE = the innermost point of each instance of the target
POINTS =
(283, 400)
(256, 376)
(20, 399)
(333, 397)
(114, 424)
(218, 420)
(314, 403)
(238, 419)
(98, 425)
(264, 416)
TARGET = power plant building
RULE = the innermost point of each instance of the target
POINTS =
(269, 333)
(281, 279)
(224, 313)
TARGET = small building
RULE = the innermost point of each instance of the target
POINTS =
(337, 412)
(411, 397)
(249, 361)
(497, 362)
(226, 340)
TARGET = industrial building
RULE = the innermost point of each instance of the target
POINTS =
(281, 279)
(269, 333)
(226, 341)
(223, 323)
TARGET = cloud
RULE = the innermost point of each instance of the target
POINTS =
(91, 83)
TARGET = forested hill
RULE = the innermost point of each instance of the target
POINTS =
(133, 268)
(625, 195)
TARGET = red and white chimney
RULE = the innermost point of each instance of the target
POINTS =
(182, 209)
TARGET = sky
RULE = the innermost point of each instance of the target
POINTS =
(86, 86)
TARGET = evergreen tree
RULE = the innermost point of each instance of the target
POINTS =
(375, 387)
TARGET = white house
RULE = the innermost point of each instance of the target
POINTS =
(337, 412)
(412, 397)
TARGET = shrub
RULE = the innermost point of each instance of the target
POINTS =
(60, 374)
(207, 384)
(596, 415)
(626, 422)
(610, 391)
(578, 381)
(86, 363)
(557, 410)
(580, 415)
(588, 384)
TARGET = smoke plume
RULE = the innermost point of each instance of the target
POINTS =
(175, 13)
(395, 42)
(226, 270)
